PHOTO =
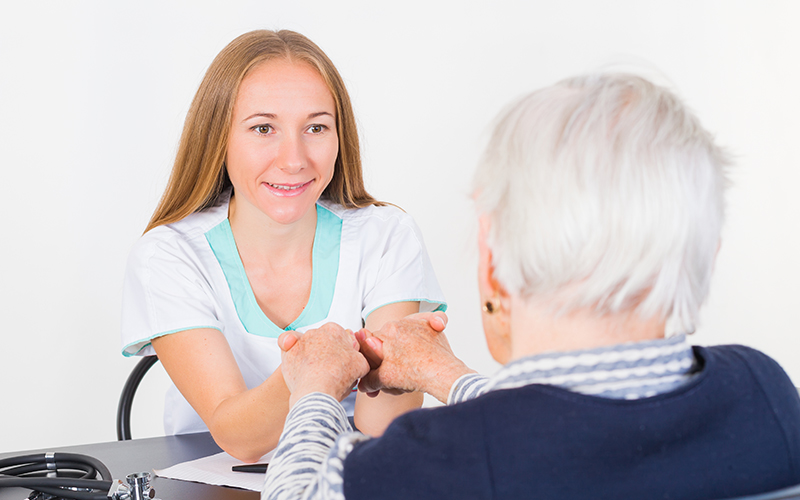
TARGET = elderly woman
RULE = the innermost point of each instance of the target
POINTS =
(600, 202)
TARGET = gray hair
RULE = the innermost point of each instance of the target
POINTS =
(604, 191)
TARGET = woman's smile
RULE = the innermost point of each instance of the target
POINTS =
(287, 189)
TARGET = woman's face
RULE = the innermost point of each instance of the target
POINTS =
(283, 141)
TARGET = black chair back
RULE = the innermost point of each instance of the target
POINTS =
(126, 398)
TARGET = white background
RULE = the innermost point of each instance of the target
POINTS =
(93, 95)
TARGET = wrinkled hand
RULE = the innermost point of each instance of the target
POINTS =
(325, 360)
(373, 350)
(411, 354)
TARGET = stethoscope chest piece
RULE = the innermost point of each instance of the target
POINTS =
(137, 488)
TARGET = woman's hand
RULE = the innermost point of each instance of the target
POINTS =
(324, 360)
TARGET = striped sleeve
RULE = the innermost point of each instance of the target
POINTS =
(467, 387)
(309, 461)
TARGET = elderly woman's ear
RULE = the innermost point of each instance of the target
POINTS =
(495, 300)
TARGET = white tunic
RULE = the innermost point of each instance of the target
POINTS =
(188, 275)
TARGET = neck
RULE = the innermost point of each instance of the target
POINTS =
(257, 234)
(535, 330)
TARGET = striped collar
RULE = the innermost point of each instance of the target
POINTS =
(624, 371)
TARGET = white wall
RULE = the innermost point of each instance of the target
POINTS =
(93, 95)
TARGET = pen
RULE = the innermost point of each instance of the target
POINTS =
(255, 468)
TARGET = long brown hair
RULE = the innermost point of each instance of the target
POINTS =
(199, 176)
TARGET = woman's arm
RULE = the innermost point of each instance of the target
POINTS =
(245, 423)
(373, 415)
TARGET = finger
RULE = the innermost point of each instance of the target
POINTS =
(370, 384)
(366, 346)
(395, 392)
(361, 335)
(376, 345)
(364, 362)
(355, 343)
(286, 340)
(438, 321)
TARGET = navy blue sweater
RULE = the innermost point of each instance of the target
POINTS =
(733, 430)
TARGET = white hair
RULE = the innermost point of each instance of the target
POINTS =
(604, 191)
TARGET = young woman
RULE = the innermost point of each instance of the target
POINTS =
(265, 227)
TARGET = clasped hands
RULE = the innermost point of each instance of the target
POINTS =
(411, 354)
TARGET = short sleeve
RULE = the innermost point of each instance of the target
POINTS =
(166, 290)
(405, 273)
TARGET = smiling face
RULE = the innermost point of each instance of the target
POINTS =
(283, 141)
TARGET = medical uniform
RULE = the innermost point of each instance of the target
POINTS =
(188, 275)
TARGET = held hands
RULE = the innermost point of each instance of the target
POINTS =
(372, 349)
(324, 360)
(411, 354)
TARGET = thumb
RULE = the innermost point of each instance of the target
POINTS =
(287, 340)
(438, 321)
(376, 345)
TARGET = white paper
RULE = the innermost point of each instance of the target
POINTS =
(216, 470)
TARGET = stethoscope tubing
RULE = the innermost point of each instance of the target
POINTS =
(74, 471)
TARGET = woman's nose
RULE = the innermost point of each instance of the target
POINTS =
(292, 156)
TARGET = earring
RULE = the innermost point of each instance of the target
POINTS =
(489, 307)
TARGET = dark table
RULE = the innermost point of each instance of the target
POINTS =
(144, 455)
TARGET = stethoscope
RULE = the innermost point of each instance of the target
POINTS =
(54, 476)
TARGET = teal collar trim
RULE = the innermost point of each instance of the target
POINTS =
(325, 269)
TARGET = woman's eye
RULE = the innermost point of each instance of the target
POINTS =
(263, 129)
(316, 129)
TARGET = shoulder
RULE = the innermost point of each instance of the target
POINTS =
(177, 240)
(386, 248)
(378, 228)
(739, 360)
(754, 379)
(724, 357)
(370, 215)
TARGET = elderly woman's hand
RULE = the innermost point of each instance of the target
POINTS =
(412, 354)
(324, 360)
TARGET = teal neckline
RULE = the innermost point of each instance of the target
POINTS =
(324, 266)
